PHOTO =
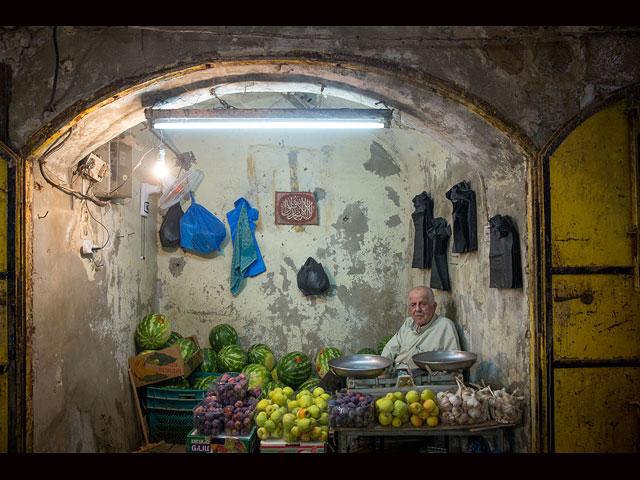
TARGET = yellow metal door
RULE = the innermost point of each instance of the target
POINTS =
(593, 304)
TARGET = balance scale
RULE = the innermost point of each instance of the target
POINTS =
(419, 381)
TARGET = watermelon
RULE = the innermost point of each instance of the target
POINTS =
(209, 361)
(309, 384)
(178, 383)
(272, 386)
(187, 348)
(257, 374)
(205, 383)
(232, 358)
(294, 368)
(222, 335)
(382, 343)
(153, 331)
(260, 353)
(323, 357)
(173, 338)
(366, 351)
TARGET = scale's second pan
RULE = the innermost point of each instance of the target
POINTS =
(444, 360)
(359, 366)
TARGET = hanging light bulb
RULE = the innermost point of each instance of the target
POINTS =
(160, 169)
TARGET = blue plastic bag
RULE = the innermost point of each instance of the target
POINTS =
(200, 230)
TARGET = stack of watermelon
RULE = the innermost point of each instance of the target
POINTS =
(323, 357)
(293, 369)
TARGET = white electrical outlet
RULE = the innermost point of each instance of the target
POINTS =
(86, 248)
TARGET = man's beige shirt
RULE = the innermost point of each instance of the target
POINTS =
(439, 334)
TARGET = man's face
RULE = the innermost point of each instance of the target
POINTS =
(421, 309)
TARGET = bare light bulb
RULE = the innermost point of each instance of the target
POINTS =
(160, 169)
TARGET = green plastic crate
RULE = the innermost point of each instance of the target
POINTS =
(170, 411)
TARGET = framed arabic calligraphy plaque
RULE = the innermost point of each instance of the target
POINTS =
(296, 208)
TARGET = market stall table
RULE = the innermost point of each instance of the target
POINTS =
(493, 432)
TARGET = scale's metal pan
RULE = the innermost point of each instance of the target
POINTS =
(359, 366)
(444, 360)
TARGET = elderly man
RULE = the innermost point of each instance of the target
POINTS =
(424, 331)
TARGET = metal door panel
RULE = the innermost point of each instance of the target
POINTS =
(594, 411)
(594, 307)
(595, 317)
(591, 194)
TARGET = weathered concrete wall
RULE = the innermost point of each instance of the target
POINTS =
(85, 310)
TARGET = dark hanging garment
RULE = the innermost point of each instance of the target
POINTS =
(439, 232)
(505, 269)
(422, 244)
(465, 234)
(170, 229)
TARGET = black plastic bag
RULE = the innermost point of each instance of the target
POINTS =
(170, 229)
(465, 234)
(422, 244)
(505, 269)
(439, 234)
(312, 279)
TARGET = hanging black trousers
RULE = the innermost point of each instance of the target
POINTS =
(465, 234)
(439, 234)
(422, 244)
(505, 267)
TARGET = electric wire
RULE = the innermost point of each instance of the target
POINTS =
(59, 142)
(49, 107)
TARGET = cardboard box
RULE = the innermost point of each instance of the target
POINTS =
(221, 443)
(163, 364)
(278, 446)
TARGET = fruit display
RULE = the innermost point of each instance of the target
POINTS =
(272, 385)
(205, 383)
(222, 335)
(153, 332)
(310, 384)
(177, 383)
(173, 338)
(262, 354)
(467, 405)
(227, 410)
(366, 351)
(270, 412)
(231, 358)
(382, 343)
(307, 418)
(323, 357)
(397, 409)
(187, 348)
(209, 361)
(351, 409)
(257, 374)
(293, 369)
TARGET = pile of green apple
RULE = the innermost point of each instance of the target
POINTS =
(397, 409)
(307, 418)
(270, 412)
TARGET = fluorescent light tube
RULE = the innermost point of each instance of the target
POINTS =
(196, 124)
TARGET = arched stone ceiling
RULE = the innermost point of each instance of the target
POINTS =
(467, 128)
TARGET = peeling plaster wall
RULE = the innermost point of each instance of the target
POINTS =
(84, 316)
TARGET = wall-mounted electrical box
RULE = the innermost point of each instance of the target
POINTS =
(118, 183)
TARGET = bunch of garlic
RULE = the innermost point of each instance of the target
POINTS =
(466, 406)
(505, 407)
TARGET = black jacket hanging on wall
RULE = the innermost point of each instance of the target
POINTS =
(465, 235)
(422, 244)
(505, 270)
(439, 232)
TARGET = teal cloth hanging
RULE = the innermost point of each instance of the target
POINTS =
(244, 250)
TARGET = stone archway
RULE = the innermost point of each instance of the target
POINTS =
(466, 127)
